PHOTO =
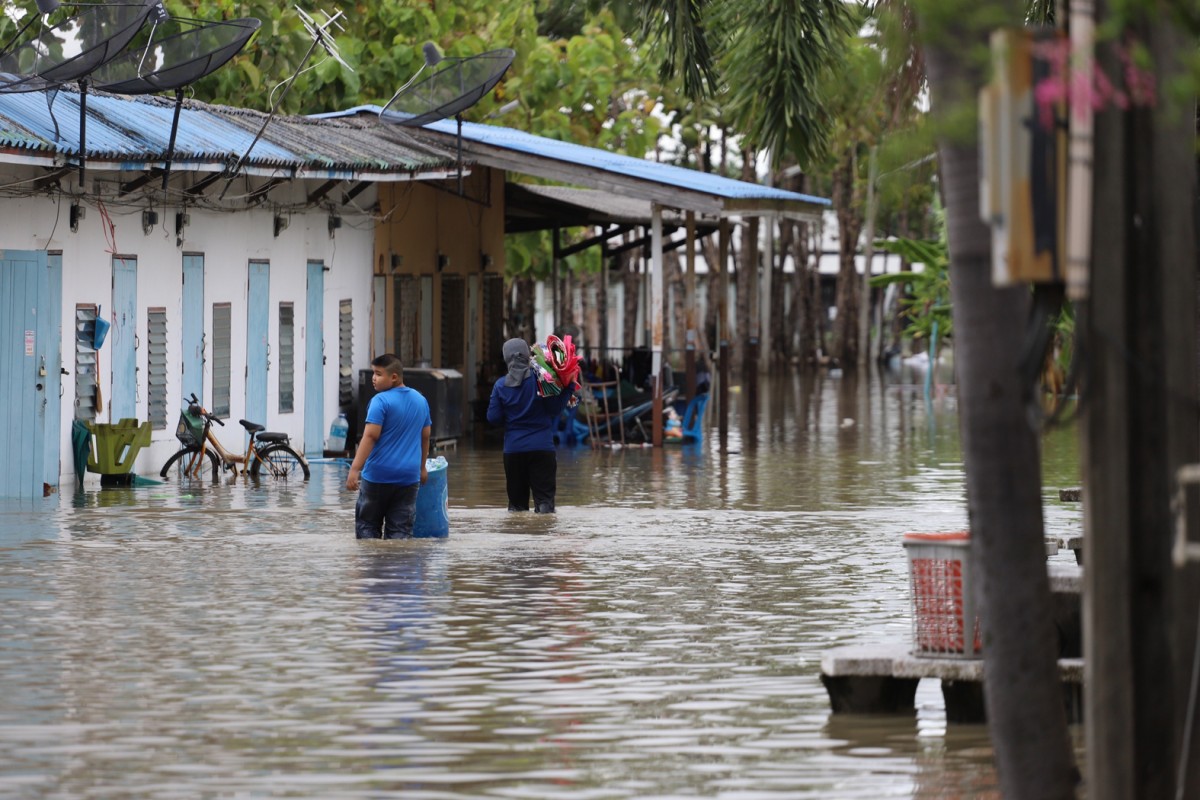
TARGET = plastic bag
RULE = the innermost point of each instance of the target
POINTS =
(433, 502)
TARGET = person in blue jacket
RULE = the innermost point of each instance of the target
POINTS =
(389, 464)
(530, 464)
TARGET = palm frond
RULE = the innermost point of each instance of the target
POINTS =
(773, 65)
(680, 26)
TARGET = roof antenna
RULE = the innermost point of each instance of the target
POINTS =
(432, 58)
(321, 36)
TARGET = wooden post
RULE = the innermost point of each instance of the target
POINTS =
(750, 368)
(1141, 425)
(603, 350)
(864, 317)
(763, 299)
(554, 256)
(656, 317)
(689, 307)
(723, 330)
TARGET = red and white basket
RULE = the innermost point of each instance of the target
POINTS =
(943, 608)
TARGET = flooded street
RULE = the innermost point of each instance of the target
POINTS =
(659, 637)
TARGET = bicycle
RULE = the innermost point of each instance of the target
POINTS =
(267, 454)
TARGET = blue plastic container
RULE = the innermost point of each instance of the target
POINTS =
(433, 502)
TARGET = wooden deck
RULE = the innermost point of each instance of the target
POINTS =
(882, 678)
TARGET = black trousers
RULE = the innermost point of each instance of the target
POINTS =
(535, 472)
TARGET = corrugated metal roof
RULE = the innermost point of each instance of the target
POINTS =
(603, 206)
(602, 161)
(137, 129)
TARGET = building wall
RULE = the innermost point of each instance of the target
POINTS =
(228, 241)
(423, 222)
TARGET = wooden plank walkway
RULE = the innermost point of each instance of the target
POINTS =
(882, 678)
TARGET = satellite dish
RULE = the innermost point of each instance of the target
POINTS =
(174, 56)
(455, 85)
(72, 48)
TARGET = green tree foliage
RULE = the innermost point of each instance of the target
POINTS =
(926, 305)
(762, 58)
(380, 41)
(577, 76)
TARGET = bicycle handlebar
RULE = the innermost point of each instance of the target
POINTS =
(195, 401)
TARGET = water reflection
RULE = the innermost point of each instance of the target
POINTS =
(659, 637)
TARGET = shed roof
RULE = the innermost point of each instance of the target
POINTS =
(529, 208)
(668, 185)
(133, 134)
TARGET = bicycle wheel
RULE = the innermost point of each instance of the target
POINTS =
(279, 461)
(187, 464)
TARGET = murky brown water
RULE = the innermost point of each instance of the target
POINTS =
(660, 637)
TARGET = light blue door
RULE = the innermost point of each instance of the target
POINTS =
(314, 361)
(258, 310)
(24, 300)
(122, 340)
(192, 361)
(50, 334)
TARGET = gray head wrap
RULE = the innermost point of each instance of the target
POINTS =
(516, 356)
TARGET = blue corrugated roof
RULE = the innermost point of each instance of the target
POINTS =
(128, 129)
(138, 129)
(604, 160)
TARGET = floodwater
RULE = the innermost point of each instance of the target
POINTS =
(660, 637)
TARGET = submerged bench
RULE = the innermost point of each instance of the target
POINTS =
(1072, 542)
(882, 679)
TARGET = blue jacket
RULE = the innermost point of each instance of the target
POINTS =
(528, 419)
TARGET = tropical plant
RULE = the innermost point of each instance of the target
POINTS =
(926, 303)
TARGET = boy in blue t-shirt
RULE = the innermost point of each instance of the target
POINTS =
(389, 464)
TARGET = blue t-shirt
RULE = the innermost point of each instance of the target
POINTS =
(528, 418)
(401, 413)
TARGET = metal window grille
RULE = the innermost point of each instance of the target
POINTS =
(493, 325)
(345, 354)
(405, 299)
(222, 360)
(454, 322)
(426, 320)
(287, 358)
(156, 368)
(85, 362)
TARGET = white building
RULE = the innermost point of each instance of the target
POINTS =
(253, 292)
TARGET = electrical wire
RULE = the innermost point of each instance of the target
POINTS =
(57, 214)
(110, 230)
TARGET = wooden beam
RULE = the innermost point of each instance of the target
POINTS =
(578, 247)
(355, 191)
(322, 190)
(260, 194)
(141, 181)
(51, 177)
(199, 187)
